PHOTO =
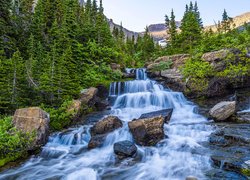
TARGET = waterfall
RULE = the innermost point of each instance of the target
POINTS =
(179, 155)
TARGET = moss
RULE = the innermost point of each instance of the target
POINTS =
(245, 172)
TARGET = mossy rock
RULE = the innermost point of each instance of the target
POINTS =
(245, 172)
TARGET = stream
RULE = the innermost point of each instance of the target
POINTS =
(181, 154)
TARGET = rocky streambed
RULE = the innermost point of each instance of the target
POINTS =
(151, 132)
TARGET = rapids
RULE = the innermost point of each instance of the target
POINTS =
(179, 155)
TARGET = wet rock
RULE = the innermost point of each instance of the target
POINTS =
(191, 178)
(227, 164)
(102, 92)
(165, 113)
(96, 141)
(106, 125)
(223, 110)
(33, 119)
(101, 129)
(124, 149)
(243, 117)
(147, 132)
(101, 104)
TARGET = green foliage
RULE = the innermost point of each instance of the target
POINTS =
(197, 68)
(59, 117)
(13, 143)
(161, 66)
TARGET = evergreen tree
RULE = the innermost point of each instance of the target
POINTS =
(172, 28)
(190, 30)
(226, 22)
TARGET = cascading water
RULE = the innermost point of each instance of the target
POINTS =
(180, 155)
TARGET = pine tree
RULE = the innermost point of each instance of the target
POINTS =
(190, 30)
(196, 11)
(172, 28)
(226, 22)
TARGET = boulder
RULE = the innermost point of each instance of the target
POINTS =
(216, 58)
(96, 141)
(101, 105)
(115, 66)
(106, 125)
(88, 96)
(165, 113)
(147, 132)
(33, 119)
(223, 110)
(102, 92)
(125, 149)
(75, 108)
(101, 129)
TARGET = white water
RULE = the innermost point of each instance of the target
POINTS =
(180, 155)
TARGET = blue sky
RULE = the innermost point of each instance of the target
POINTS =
(137, 14)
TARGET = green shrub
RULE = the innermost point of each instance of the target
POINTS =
(161, 66)
(13, 143)
(59, 117)
(197, 68)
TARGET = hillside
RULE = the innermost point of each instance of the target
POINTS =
(158, 31)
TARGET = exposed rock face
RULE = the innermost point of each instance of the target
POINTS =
(33, 119)
(147, 132)
(223, 110)
(165, 113)
(101, 129)
(124, 149)
(177, 60)
(171, 78)
(216, 58)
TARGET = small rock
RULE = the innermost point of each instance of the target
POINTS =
(223, 110)
(191, 178)
(147, 132)
(124, 149)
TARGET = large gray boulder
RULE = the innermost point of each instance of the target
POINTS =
(101, 129)
(223, 110)
(147, 132)
(33, 119)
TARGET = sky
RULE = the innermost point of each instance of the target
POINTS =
(135, 15)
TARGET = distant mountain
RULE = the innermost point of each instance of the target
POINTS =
(238, 21)
(127, 32)
(159, 31)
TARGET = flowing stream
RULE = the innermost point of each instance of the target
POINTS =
(179, 155)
